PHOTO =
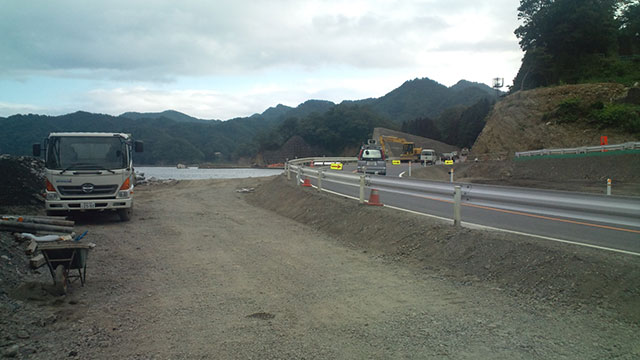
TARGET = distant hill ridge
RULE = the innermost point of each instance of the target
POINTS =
(172, 136)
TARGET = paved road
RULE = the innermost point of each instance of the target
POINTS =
(624, 238)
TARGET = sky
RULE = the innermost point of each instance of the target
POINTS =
(223, 59)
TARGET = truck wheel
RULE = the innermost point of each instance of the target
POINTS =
(125, 214)
(61, 280)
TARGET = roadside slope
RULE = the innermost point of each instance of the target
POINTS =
(517, 123)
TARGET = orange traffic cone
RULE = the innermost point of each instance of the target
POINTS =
(306, 182)
(374, 198)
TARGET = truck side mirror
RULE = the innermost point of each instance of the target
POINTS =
(36, 149)
(139, 146)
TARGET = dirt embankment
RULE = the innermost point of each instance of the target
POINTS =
(516, 122)
(527, 268)
(582, 174)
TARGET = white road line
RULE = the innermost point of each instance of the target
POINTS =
(484, 227)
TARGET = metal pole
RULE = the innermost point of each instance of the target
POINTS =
(608, 186)
(286, 165)
(361, 189)
(451, 172)
(457, 199)
(409, 168)
(299, 175)
(320, 180)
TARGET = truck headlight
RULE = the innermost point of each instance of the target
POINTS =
(123, 194)
(52, 196)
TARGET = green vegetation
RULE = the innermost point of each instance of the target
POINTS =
(459, 126)
(622, 116)
(578, 41)
(172, 137)
(342, 127)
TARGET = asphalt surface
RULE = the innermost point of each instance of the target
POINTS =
(624, 238)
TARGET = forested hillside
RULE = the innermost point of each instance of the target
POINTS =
(578, 41)
(171, 137)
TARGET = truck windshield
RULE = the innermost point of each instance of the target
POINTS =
(86, 153)
(372, 154)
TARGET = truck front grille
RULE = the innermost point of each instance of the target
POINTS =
(97, 190)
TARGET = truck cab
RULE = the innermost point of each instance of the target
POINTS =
(89, 172)
(371, 159)
(428, 156)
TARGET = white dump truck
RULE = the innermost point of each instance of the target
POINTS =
(88, 171)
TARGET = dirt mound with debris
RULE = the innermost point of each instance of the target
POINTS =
(582, 174)
(24, 182)
(517, 123)
(531, 269)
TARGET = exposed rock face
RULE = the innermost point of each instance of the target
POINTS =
(517, 122)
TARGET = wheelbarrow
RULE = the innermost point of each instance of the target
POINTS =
(62, 257)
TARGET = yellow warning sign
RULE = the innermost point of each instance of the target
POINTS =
(395, 162)
(448, 162)
(336, 166)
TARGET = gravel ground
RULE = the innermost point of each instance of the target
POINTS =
(200, 272)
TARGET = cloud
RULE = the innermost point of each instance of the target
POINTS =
(158, 42)
(227, 58)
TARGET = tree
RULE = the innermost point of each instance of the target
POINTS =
(630, 29)
(564, 39)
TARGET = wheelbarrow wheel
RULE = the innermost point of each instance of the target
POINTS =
(61, 280)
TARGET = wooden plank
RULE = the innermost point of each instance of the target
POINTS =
(37, 261)
(54, 245)
(31, 248)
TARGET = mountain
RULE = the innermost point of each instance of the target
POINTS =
(172, 136)
(168, 114)
(282, 112)
(424, 97)
(166, 141)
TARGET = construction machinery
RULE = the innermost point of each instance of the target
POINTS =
(409, 151)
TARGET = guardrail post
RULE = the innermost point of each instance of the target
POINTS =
(320, 180)
(457, 199)
(608, 186)
(288, 169)
(299, 175)
(451, 177)
(409, 168)
(361, 189)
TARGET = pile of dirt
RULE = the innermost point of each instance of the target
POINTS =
(582, 174)
(535, 270)
(24, 182)
(395, 149)
(517, 123)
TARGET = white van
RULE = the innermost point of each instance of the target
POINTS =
(428, 156)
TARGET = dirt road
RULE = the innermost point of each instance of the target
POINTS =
(199, 273)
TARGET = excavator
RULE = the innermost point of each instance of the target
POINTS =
(409, 151)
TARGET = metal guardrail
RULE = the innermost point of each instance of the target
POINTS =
(581, 150)
(605, 209)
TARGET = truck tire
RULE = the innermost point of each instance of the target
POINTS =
(125, 214)
(61, 280)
